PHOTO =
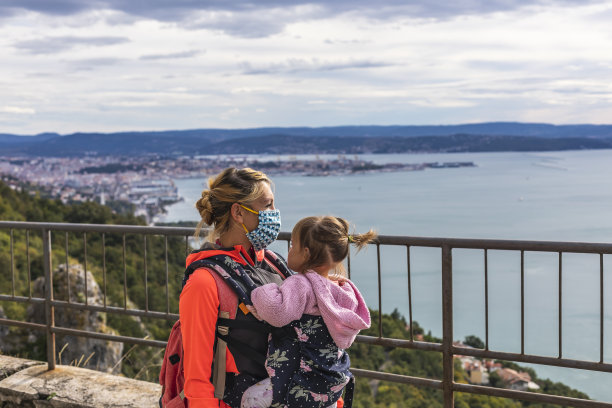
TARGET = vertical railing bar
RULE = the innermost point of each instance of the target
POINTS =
(447, 327)
(522, 301)
(486, 282)
(28, 262)
(104, 265)
(186, 245)
(124, 276)
(348, 262)
(85, 265)
(167, 292)
(67, 266)
(146, 275)
(560, 304)
(601, 308)
(409, 292)
(49, 309)
(12, 264)
(380, 330)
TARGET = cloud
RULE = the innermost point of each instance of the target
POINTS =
(296, 61)
(173, 9)
(344, 42)
(17, 110)
(89, 64)
(297, 65)
(174, 55)
(253, 23)
(52, 45)
(495, 65)
(267, 17)
(53, 7)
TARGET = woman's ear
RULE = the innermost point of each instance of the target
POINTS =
(236, 212)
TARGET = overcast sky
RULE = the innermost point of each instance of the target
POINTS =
(112, 65)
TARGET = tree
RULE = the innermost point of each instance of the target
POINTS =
(474, 341)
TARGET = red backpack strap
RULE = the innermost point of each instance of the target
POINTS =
(228, 301)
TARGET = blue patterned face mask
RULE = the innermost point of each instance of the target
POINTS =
(267, 229)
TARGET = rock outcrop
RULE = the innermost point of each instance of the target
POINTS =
(100, 355)
(28, 384)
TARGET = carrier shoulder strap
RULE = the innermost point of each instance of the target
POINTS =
(349, 393)
(277, 263)
(228, 306)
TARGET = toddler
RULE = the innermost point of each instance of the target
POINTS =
(320, 312)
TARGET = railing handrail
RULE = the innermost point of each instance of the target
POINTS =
(446, 347)
(402, 240)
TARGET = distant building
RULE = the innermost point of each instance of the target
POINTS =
(516, 381)
(491, 365)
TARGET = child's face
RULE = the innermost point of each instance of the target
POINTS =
(297, 255)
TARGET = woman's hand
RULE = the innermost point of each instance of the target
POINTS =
(253, 312)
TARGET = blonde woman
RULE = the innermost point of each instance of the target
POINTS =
(239, 207)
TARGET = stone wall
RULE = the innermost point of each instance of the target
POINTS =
(28, 384)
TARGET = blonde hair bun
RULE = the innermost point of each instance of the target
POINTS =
(204, 207)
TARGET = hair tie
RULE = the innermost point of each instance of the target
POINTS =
(350, 238)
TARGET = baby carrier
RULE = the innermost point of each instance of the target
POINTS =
(308, 369)
(237, 329)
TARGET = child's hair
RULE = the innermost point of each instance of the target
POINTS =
(230, 186)
(327, 239)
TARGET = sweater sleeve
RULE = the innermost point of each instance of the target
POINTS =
(198, 307)
(280, 305)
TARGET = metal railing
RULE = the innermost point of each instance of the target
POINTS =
(448, 350)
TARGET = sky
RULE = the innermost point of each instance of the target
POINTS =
(117, 65)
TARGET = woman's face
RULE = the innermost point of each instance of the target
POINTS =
(263, 203)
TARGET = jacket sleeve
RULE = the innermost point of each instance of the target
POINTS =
(280, 305)
(198, 308)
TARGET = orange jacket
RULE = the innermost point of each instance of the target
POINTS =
(198, 309)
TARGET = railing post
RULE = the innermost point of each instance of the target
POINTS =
(447, 327)
(49, 309)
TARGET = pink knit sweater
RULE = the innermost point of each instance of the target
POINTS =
(341, 306)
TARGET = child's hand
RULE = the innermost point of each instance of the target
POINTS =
(253, 312)
(339, 279)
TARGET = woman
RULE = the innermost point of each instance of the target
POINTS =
(239, 205)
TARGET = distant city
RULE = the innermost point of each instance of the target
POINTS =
(146, 184)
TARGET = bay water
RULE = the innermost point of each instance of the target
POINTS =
(553, 196)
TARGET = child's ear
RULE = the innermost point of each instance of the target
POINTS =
(306, 253)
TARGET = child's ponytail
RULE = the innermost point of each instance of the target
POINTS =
(361, 240)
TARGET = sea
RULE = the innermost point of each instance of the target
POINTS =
(552, 196)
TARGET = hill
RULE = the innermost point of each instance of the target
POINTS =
(497, 136)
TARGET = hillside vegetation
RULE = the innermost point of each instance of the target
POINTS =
(22, 206)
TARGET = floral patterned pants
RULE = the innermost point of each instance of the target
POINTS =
(260, 396)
